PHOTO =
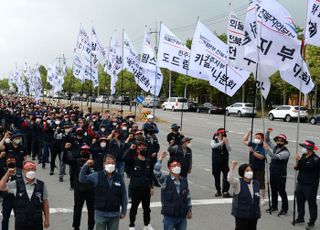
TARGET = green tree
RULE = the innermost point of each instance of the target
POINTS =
(4, 84)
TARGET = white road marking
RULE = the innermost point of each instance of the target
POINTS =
(157, 204)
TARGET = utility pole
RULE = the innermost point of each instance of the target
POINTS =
(156, 32)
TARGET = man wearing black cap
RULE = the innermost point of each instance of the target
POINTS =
(220, 162)
(278, 170)
(141, 183)
(14, 147)
(66, 152)
(175, 135)
(183, 154)
(308, 166)
(83, 192)
(8, 199)
(99, 151)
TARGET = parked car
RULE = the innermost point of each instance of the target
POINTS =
(175, 103)
(122, 100)
(192, 106)
(57, 96)
(91, 99)
(150, 101)
(101, 99)
(288, 113)
(209, 108)
(315, 119)
(78, 98)
(241, 109)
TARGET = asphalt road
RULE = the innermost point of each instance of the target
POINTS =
(208, 212)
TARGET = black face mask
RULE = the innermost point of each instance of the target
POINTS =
(280, 145)
(150, 132)
(11, 165)
(143, 152)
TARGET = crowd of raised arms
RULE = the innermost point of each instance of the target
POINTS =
(101, 149)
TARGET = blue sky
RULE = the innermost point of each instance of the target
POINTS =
(40, 30)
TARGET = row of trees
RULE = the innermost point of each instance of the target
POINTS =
(197, 90)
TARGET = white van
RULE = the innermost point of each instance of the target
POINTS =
(176, 103)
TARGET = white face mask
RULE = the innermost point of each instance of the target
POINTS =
(7, 140)
(304, 151)
(103, 129)
(114, 124)
(248, 175)
(189, 145)
(131, 119)
(257, 141)
(48, 121)
(31, 175)
(124, 128)
(110, 168)
(17, 141)
(57, 122)
(103, 144)
(176, 170)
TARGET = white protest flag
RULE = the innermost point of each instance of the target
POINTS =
(56, 78)
(83, 67)
(78, 71)
(148, 61)
(236, 56)
(83, 44)
(115, 58)
(51, 74)
(114, 62)
(11, 79)
(132, 64)
(82, 51)
(97, 51)
(299, 72)
(236, 49)
(209, 58)
(172, 53)
(312, 35)
(18, 80)
(37, 85)
(278, 42)
(28, 76)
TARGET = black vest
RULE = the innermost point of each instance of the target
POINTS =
(29, 212)
(108, 199)
(279, 166)
(82, 187)
(220, 155)
(245, 206)
(174, 204)
(184, 160)
(140, 174)
(256, 163)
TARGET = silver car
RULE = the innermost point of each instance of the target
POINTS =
(241, 109)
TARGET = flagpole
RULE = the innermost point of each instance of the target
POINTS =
(122, 72)
(303, 47)
(185, 92)
(262, 108)
(156, 73)
(225, 87)
(92, 90)
(298, 131)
